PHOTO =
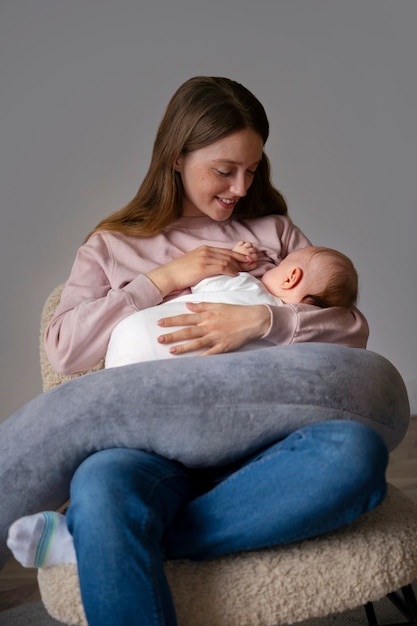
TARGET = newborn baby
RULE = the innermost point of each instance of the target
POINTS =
(312, 275)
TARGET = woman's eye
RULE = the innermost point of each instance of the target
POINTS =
(224, 174)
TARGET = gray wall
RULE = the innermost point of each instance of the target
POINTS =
(84, 84)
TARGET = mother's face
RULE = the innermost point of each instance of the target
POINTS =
(217, 176)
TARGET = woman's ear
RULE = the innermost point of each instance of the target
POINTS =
(178, 164)
(292, 278)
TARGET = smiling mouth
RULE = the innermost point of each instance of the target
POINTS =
(226, 201)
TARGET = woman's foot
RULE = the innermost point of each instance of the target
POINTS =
(41, 540)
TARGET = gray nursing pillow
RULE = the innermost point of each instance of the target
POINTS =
(200, 411)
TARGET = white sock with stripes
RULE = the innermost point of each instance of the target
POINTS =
(41, 540)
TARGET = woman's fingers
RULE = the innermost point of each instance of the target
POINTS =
(189, 332)
(214, 328)
(185, 319)
(198, 264)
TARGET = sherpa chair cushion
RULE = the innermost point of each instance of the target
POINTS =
(363, 562)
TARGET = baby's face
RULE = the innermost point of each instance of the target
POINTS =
(274, 278)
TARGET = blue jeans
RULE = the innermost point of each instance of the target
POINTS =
(131, 509)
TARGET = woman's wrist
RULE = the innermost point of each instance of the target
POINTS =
(162, 281)
(257, 321)
(266, 320)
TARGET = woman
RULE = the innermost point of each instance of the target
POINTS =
(208, 173)
(208, 186)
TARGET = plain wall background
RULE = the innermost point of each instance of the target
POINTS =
(84, 84)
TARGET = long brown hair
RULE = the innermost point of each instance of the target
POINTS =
(203, 110)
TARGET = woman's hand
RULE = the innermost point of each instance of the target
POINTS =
(200, 263)
(215, 328)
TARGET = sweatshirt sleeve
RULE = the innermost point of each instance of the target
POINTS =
(90, 307)
(297, 323)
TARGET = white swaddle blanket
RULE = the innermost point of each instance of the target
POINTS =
(134, 338)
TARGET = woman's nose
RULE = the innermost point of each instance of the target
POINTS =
(239, 186)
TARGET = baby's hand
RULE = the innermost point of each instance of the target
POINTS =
(246, 248)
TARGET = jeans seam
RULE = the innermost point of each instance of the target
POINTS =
(146, 527)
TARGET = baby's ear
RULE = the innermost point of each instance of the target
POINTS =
(293, 277)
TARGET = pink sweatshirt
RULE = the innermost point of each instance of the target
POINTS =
(108, 282)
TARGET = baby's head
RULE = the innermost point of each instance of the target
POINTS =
(314, 275)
